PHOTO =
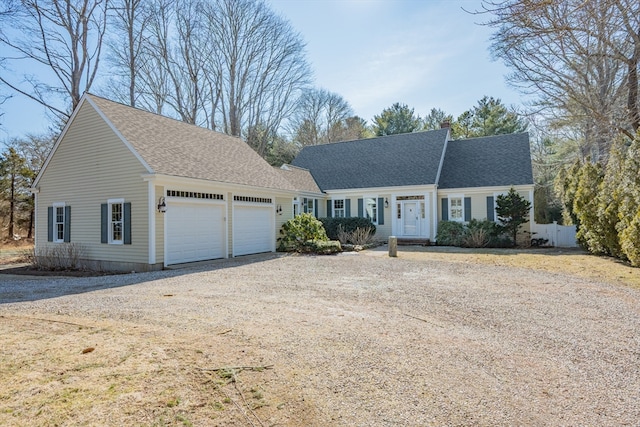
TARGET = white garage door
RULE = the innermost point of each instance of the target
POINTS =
(195, 232)
(253, 229)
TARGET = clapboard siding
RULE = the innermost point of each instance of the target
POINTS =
(90, 166)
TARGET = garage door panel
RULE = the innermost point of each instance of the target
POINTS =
(253, 229)
(195, 232)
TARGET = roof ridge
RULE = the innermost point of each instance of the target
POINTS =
(395, 135)
(162, 116)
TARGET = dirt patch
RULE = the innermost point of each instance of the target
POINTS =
(349, 340)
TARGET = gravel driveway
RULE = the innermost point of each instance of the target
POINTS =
(367, 340)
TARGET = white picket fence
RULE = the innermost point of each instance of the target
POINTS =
(560, 236)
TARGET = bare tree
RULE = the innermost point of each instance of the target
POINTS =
(127, 41)
(259, 63)
(64, 36)
(578, 58)
(320, 117)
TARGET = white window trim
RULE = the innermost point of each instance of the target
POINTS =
(343, 209)
(55, 222)
(110, 203)
(364, 207)
(456, 196)
(312, 211)
(295, 207)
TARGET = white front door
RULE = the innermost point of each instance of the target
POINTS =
(410, 218)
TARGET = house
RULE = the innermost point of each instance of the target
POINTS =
(137, 191)
(407, 183)
(133, 190)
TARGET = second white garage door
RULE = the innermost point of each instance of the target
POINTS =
(195, 232)
(253, 229)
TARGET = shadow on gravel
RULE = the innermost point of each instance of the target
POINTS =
(15, 288)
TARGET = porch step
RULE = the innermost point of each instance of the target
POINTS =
(404, 241)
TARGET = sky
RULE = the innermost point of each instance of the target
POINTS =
(374, 53)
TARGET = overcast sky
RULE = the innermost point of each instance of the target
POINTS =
(423, 53)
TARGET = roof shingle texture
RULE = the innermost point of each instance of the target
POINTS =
(500, 160)
(175, 148)
(300, 178)
(389, 161)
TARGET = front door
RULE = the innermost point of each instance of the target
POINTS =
(410, 218)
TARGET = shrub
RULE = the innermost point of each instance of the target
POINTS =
(297, 231)
(480, 234)
(450, 233)
(349, 225)
(359, 236)
(62, 256)
(322, 247)
(475, 234)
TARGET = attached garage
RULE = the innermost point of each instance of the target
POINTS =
(253, 225)
(195, 231)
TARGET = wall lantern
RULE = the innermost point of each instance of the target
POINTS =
(279, 210)
(386, 202)
(162, 206)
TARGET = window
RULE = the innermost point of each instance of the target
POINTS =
(310, 206)
(58, 222)
(456, 212)
(338, 208)
(371, 209)
(296, 206)
(116, 221)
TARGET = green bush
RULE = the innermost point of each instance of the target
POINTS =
(630, 239)
(450, 233)
(349, 225)
(321, 247)
(474, 234)
(297, 231)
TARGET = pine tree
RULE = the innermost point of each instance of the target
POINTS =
(513, 211)
(585, 206)
(629, 212)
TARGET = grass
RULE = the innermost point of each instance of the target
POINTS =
(575, 262)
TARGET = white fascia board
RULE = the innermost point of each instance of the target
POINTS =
(475, 190)
(402, 191)
(119, 135)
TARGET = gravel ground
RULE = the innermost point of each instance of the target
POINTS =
(367, 340)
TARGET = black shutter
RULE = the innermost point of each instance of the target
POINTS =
(360, 208)
(315, 208)
(380, 211)
(490, 209)
(50, 224)
(445, 210)
(104, 223)
(347, 208)
(67, 224)
(467, 208)
(127, 223)
(329, 213)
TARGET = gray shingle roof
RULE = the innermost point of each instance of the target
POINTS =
(501, 160)
(389, 161)
(175, 148)
(300, 178)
